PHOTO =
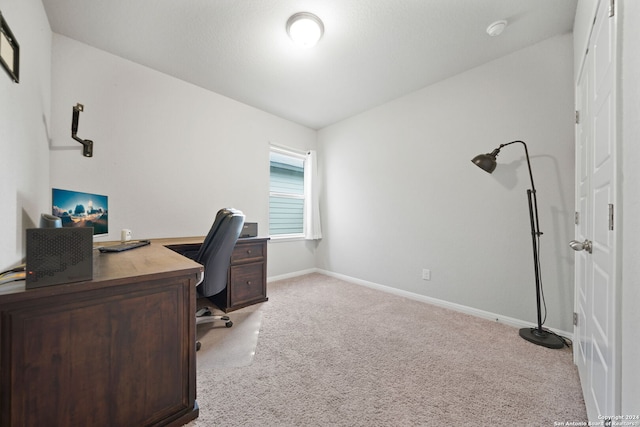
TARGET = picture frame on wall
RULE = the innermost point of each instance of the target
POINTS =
(9, 51)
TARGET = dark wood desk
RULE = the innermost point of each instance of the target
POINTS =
(118, 350)
(247, 276)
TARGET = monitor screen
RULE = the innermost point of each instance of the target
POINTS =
(78, 209)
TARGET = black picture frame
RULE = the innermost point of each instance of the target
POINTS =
(9, 51)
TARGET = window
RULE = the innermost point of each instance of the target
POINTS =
(286, 193)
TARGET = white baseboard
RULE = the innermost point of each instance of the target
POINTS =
(294, 274)
(517, 323)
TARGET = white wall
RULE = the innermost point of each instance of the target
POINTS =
(401, 193)
(167, 153)
(24, 122)
(630, 182)
(582, 24)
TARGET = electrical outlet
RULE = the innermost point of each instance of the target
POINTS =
(426, 274)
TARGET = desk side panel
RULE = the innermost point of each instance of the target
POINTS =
(121, 355)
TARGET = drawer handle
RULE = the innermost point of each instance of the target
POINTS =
(249, 251)
(248, 282)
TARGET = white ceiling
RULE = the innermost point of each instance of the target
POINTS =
(372, 51)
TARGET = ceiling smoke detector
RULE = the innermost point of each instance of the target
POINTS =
(496, 28)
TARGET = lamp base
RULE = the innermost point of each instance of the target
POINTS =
(541, 337)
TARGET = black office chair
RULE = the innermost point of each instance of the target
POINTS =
(215, 256)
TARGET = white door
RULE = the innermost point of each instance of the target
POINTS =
(596, 345)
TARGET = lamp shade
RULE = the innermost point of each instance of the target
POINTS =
(486, 162)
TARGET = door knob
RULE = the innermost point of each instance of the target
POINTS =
(581, 246)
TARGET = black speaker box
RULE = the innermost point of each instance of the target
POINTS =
(249, 229)
(58, 255)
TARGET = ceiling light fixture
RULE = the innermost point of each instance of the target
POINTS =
(305, 29)
(496, 28)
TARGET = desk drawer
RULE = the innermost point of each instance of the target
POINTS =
(247, 283)
(247, 276)
(243, 252)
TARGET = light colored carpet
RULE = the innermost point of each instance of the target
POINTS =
(334, 353)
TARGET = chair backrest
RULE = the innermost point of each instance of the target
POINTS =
(215, 252)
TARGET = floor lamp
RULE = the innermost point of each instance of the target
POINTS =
(539, 336)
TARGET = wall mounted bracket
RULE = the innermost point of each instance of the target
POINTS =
(9, 51)
(87, 149)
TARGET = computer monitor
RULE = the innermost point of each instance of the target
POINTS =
(76, 209)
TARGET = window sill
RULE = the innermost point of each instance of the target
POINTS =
(286, 238)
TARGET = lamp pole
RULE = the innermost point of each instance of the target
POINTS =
(537, 335)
